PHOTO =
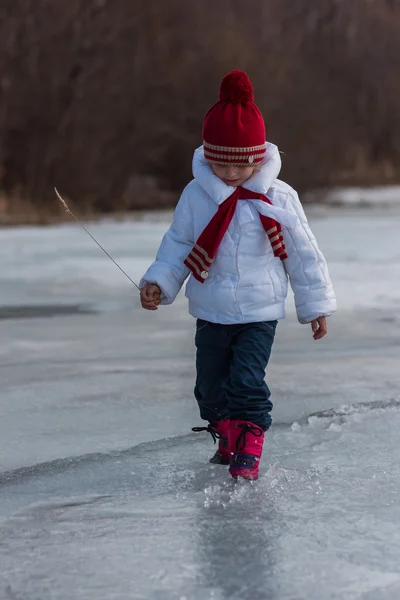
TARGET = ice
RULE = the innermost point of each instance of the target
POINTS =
(359, 196)
(173, 525)
(105, 491)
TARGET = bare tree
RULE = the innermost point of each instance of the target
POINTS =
(105, 98)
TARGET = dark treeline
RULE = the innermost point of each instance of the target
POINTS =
(105, 98)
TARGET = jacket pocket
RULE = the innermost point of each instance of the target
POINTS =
(279, 282)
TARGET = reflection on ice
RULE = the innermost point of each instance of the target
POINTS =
(161, 516)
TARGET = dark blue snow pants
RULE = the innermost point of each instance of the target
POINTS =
(231, 362)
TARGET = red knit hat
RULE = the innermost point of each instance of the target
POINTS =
(233, 129)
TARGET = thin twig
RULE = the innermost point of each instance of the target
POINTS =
(88, 232)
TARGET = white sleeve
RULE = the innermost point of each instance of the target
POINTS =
(307, 269)
(168, 270)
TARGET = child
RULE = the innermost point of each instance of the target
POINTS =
(240, 233)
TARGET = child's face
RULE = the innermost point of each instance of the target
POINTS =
(231, 174)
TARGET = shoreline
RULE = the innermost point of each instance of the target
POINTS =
(340, 198)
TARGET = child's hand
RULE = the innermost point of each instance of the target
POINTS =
(319, 328)
(150, 296)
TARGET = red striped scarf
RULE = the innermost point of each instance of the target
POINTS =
(203, 252)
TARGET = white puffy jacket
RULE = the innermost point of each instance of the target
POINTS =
(246, 282)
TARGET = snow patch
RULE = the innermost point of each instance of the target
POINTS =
(332, 419)
(356, 196)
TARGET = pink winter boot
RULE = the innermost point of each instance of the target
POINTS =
(245, 441)
(219, 431)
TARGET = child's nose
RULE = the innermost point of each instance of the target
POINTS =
(231, 173)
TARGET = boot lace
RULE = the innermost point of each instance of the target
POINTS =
(246, 428)
(210, 429)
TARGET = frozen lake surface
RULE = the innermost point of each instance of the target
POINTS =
(105, 494)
